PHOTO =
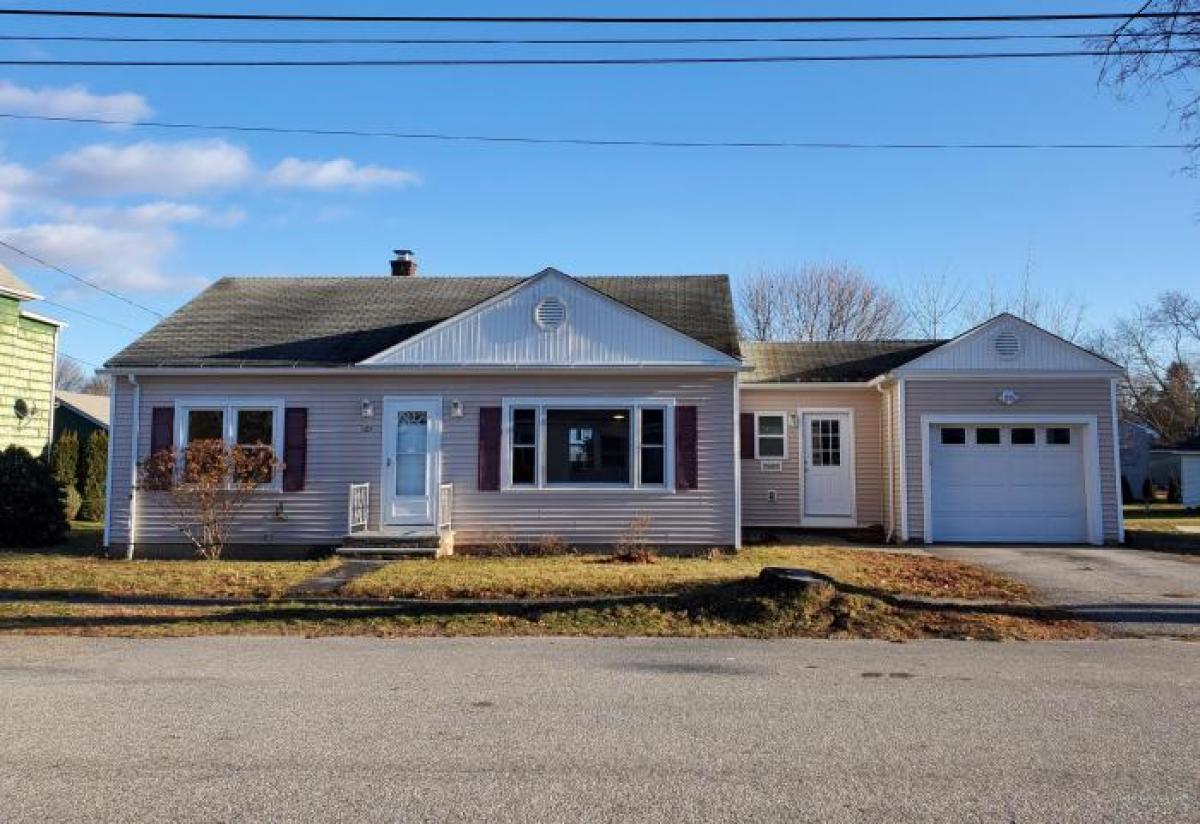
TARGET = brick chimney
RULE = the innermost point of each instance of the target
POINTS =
(404, 265)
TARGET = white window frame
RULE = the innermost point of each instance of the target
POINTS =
(633, 405)
(758, 416)
(229, 407)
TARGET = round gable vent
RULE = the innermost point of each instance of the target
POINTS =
(550, 313)
(1007, 344)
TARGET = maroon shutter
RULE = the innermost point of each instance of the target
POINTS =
(295, 449)
(687, 472)
(746, 427)
(162, 428)
(489, 448)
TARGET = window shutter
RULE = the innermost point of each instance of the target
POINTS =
(162, 428)
(295, 449)
(746, 425)
(489, 448)
(687, 472)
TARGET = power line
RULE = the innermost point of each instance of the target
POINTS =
(89, 316)
(556, 41)
(585, 141)
(79, 360)
(588, 61)
(76, 277)
(585, 19)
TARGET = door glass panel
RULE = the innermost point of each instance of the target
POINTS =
(412, 436)
(826, 449)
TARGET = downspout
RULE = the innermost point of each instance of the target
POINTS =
(108, 472)
(737, 463)
(902, 425)
(889, 487)
(135, 434)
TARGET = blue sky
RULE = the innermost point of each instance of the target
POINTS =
(155, 214)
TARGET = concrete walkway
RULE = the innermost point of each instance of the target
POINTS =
(1129, 591)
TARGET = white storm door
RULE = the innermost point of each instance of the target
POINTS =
(412, 431)
(828, 481)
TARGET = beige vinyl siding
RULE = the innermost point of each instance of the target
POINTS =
(1082, 396)
(866, 403)
(345, 448)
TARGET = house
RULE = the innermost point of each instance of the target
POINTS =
(28, 351)
(1180, 461)
(1136, 439)
(80, 413)
(524, 407)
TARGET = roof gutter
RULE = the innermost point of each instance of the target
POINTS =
(424, 369)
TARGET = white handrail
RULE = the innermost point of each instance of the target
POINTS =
(359, 507)
(445, 507)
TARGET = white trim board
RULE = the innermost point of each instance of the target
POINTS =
(1091, 462)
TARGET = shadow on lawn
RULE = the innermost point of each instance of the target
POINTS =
(757, 606)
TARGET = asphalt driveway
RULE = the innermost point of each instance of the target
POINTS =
(1129, 591)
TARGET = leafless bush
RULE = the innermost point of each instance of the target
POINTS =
(634, 547)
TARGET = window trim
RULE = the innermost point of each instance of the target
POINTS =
(229, 407)
(758, 456)
(633, 405)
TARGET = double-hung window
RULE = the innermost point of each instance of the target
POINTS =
(581, 443)
(253, 424)
(770, 436)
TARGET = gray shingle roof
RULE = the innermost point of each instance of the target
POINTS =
(336, 321)
(829, 361)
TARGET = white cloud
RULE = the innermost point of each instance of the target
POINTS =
(340, 173)
(123, 259)
(155, 213)
(72, 101)
(15, 181)
(149, 167)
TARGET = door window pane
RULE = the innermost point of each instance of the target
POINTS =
(206, 425)
(587, 446)
(412, 437)
(954, 435)
(826, 449)
(1058, 436)
(1024, 436)
(987, 436)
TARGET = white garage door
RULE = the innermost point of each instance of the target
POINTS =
(1007, 483)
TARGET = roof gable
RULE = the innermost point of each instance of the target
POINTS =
(1007, 343)
(551, 319)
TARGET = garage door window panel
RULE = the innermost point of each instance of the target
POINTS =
(953, 436)
(987, 436)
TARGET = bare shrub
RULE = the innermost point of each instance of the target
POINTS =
(207, 484)
(549, 545)
(634, 547)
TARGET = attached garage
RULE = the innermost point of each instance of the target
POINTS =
(1011, 481)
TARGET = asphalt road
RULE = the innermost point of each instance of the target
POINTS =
(263, 729)
(1129, 591)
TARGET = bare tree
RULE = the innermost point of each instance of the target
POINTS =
(934, 304)
(70, 376)
(1157, 51)
(1062, 313)
(758, 306)
(818, 302)
(97, 385)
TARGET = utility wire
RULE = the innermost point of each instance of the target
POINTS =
(584, 19)
(555, 41)
(580, 141)
(589, 61)
(89, 316)
(79, 360)
(79, 278)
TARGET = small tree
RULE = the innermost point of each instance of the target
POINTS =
(207, 484)
(95, 476)
(31, 501)
(1174, 491)
(64, 459)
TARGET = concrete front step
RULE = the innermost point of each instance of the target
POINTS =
(391, 538)
(387, 552)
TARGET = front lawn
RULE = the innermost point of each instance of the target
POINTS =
(58, 573)
(1161, 518)
(568, 575)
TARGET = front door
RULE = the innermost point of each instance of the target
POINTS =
(828, 494)
(411, 437)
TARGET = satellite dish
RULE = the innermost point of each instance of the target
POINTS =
(21, 409)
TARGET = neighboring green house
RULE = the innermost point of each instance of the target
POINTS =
(28, 349)
(80, 413)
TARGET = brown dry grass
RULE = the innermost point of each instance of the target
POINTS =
(475, 577)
